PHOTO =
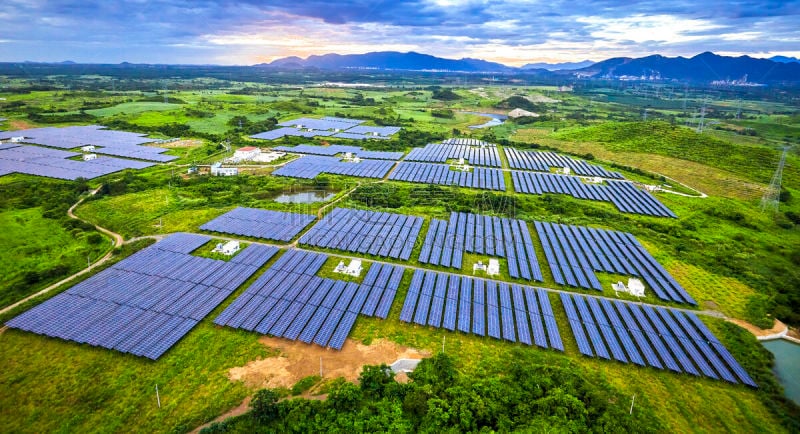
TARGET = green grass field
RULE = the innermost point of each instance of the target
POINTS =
(39, 251)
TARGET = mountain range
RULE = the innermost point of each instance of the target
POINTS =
(703, 67)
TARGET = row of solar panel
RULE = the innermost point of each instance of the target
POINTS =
(52, 163)
(325, 123)
(375, 233)
(332, 150)
(519, 314)
(544, 161)
(260, 223)
(574, 253)
(290, 301)
(466, 141)
(309, 167)
(646, 336)
(135, 306)
(119, 143)
(104, 324)
(428, 173)
(441, 152)
(446, 243)
(622, 194)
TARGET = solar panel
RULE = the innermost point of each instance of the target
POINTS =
(659, 337)
(125, 306)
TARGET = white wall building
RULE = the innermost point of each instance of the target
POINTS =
(246, 153)
(354, 269)
(228, 248)
(218, 170)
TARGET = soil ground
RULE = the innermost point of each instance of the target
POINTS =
(298, 360)
(188, 143)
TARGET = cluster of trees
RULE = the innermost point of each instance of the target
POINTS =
(515, 395)
(444, 94)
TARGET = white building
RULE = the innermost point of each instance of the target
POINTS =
(228, 248)
(354, 269)
(218, 170)
(88, 148)
(246, 153)
(494, 267)
(635, 287)
(89, 157)
(17, 139)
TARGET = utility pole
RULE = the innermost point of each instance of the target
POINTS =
(320, 367)
(158, 397)
(632, 399)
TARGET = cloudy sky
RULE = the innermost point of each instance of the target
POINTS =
(513, 32)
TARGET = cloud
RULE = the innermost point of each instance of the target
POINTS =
(514, 32)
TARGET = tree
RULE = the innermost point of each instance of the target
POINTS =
(264, 405)
(375, 379)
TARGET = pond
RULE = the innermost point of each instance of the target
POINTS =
(787, 366)
(493, 122)
(311, 196)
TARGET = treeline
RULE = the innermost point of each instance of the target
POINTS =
(518, 394)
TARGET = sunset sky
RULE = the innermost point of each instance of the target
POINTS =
(513, 33)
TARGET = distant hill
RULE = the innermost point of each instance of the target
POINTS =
(784, 59)
(702, 67)
(390, 60)
(565, 66)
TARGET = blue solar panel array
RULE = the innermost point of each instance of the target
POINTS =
(476, 152)
(53, 163)
(544, 161)
(290, 301)
(147, 302)
(260, 223)
(308, 167)
(368, 232)
(482, 307)
(328, 126)
(429, 173)
(119, 143)
(574, 253)
(332, 150)
(446, 243)
(623, 194)
(650, 336)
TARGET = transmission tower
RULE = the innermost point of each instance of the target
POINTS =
(771, 197)
(701, 122)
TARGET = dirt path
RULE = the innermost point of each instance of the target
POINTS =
(778, 329)
(235, 411)
(118, 241)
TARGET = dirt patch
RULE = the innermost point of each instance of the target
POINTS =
(187, 143)
(298, 360)
(18, 124)
(777, 327)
